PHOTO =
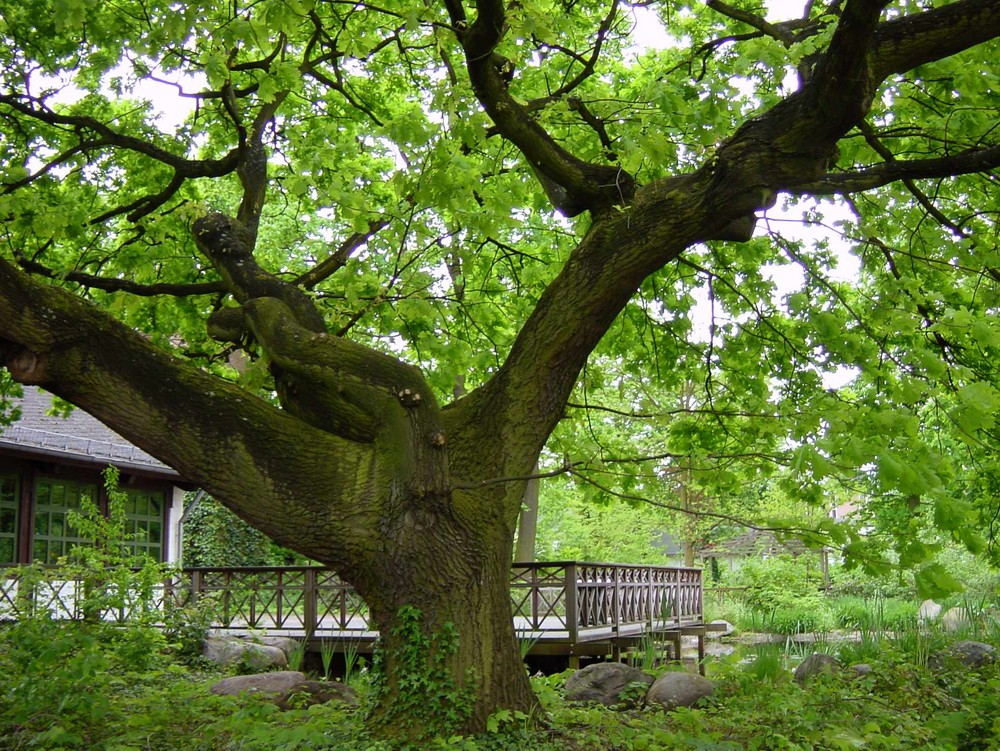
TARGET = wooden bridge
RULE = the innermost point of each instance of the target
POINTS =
(566, 609)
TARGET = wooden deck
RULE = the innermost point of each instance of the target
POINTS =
(566, 609)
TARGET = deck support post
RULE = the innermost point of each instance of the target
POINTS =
(309, 602)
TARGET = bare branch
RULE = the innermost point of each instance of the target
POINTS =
(107, 284)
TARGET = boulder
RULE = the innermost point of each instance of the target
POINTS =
(718, 629)
(286, 644)
(604, 683)
(308, 693)
(815, 664)
(929, 610)
(275, 684)
(860, 669)
(226, 650)
(672, 690)
(955, 619)
(966, 654)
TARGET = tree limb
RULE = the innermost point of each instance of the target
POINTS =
(114, 284)
(276, 471)
(904, 43)
(843, 183)
(572, 185)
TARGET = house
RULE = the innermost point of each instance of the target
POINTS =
(49, 463)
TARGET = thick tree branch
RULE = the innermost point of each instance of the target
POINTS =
(843, 183)
(275, 471)
(227, 244)
(357, 393)
(904, 43)
(572, 185)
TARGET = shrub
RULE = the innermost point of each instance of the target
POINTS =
(777, 582)
(852, 613)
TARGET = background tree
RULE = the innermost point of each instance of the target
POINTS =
(361, 201)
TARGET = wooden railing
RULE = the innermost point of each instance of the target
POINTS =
(559, 601)
(591, 601)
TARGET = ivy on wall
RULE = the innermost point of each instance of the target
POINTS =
(215, 536)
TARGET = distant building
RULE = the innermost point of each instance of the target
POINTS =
(48, 464)
(760, 544)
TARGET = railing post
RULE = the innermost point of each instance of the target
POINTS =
(570, 593)
(677, 597)
(650, 600)
(227, 599)
(534, 596)
(195, 586)
(616, 599)
(309, 602)
(701, 596)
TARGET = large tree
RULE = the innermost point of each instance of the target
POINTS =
(361, 209)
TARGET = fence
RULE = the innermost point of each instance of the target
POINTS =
(568, 601)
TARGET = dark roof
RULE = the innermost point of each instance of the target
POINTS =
(78, 437)
(754, 543)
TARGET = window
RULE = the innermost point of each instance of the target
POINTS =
(144, 523)
(54, 536)
(10, 503)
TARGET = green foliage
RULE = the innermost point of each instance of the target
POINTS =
(60, 670)
(782, 581)
(900, 705)
(809, 615)
(215, 536)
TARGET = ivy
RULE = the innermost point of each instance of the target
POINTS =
(424, 697)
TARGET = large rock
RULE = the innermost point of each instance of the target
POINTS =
(286, 644)
(955, 619)
(718, 629)
(965, 654)
(929, 610)
(275, 684)
(308, 693)
(605, 683)
(815, 664)
(227, 650)
(673, 690)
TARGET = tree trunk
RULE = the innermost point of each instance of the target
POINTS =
(447, 657)
(527, 522)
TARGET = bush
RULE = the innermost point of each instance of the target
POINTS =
(215, 536)
(852, 613)
(777, 582)
(857, 583)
